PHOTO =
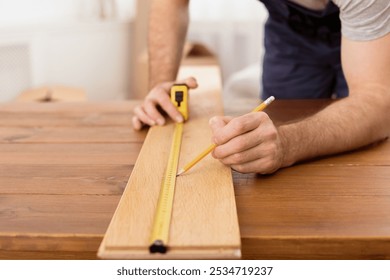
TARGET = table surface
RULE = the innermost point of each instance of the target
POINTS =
(64, 166)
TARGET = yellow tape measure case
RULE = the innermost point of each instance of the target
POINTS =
(179, 97)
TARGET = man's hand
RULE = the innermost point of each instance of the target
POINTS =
(158, 98)
(168, 23)
(249, 143)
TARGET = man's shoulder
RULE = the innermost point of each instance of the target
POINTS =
(364, 20)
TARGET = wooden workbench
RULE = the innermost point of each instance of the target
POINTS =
(63, 168)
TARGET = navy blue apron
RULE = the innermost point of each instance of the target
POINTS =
(302, 52)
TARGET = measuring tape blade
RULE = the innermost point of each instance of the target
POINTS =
(162, 219)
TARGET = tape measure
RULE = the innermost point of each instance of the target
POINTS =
(162, 220)
(179, 97)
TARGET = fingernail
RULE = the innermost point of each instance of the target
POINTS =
(160, 122)
(212, 120)
(179, 119)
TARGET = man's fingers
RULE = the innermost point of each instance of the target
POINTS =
(137, 124)
(238, 126)
(148, 113)
(171, 109)
(237, 149)
(191, 82)
(261, 166)
(219, 121)
(161, 97)
(153, 113)
(143, 117)
(245, 151)
(216, 123)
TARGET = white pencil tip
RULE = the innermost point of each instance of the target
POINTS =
(181, 171)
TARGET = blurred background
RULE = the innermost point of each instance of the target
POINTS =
(96, 44)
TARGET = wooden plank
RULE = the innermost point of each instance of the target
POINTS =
(67, 179)
(126, 153)
(307, 180)
(69, 108)
(72, 153)
(313, 248)
(338, 216)
(52, 94)
(61, 119)
(204, 222)
(48, 255)
(51, 244)
(67, 134)
(54, 203)
(92, 177)
(315, 212)
(51, 214)
(67, 114)
(376, 154)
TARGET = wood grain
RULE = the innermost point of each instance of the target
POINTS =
(66, 134)
(71, 153)
(204, 219)
(56, 214)
(84, 179)
(72, 114)
(48, 246)
(312, 211)
(69, 108)
(52, 94)
(310, 180)
(317, 248)
(58, 119)
(58, 196)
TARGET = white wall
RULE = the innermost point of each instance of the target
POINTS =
(69, 43)
(232, 29)
(94, 56)
(226, 10)
(47, 11)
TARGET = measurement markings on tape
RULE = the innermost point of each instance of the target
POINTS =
(162, 220)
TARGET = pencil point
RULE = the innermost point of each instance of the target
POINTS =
(181, 171)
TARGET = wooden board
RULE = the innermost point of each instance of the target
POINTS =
(204, 220)
(58, 205)
(53, 94)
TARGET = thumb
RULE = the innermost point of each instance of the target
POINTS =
(218, 122)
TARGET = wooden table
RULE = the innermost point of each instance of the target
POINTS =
(63, 168)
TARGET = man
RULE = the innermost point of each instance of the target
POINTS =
(301, 61)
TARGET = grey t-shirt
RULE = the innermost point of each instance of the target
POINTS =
(364, 20)
(361, 20)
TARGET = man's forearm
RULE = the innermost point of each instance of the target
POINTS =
(358, 120)
(167, 31)
(347, 124)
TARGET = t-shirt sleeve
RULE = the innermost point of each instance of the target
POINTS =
(364, 20)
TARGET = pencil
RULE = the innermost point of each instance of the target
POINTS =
(189, 165)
